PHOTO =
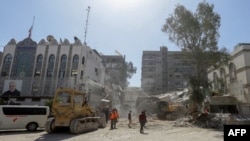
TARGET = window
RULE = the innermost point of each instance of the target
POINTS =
(74, 69)
(62, 66)
(52, 58)
(8, 58)
(64, 59)
(75, 59)
(49, 73)
(50, 66)
(216, 81)
(83, 60)
(24, 111)
(63, 98)
(96, 71)
(74, 73)
(232, 72)
(6, 65)
(61, 74)
(39, 59)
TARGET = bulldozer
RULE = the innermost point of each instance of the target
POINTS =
(169, 111)
(164, 109)
(70, 109)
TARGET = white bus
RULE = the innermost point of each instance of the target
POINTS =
(23, 117)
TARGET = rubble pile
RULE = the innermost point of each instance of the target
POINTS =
(214, 121)
(238, 119)
(182, 122)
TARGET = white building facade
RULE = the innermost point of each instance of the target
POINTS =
(48, 65)
(234, 78)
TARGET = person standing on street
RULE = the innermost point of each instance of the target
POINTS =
(129, 119)
(116, 117)
(112, 118)
(142, 120)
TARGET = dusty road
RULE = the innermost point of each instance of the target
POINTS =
(156, 131)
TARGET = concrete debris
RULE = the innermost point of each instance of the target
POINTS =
(238, 119)
(214, 121)
(182, 122)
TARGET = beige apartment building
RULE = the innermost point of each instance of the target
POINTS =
(164, 71)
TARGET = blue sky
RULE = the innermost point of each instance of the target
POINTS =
(128, 26)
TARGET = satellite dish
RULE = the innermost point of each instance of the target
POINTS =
(50, 38)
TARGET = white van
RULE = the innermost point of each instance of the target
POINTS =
(23, 117)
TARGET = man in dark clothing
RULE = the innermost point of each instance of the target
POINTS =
(142, 120)
(129, 119)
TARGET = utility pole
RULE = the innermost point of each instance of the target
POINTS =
(86, 27)
(82, 83)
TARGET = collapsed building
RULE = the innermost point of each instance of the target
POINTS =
(163, 106)
(222, 110)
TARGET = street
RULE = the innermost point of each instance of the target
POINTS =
(155, 130)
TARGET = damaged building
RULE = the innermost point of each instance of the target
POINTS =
(231, 82)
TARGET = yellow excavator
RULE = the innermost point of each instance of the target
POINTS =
(162, 108)
(70, 109)
(169, 111)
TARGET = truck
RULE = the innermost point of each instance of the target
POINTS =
(71, 110)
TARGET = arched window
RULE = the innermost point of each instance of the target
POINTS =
(51, 58)
(75, 59)
(215, 78)
(8, 58)
(6, 65)
(74, 68)
(50, 66)
(64, 59)
(38, 69)
(62, 69)
(39, 58)
(223, 80)
(232, 72)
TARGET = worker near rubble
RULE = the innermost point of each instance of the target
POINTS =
(112, 118)
(129, 119)
(116, 117)
(142, 120)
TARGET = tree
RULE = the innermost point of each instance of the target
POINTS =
(197, 35)
(130, 71)
(121, 75)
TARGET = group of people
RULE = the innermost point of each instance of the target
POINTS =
(114, 116)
